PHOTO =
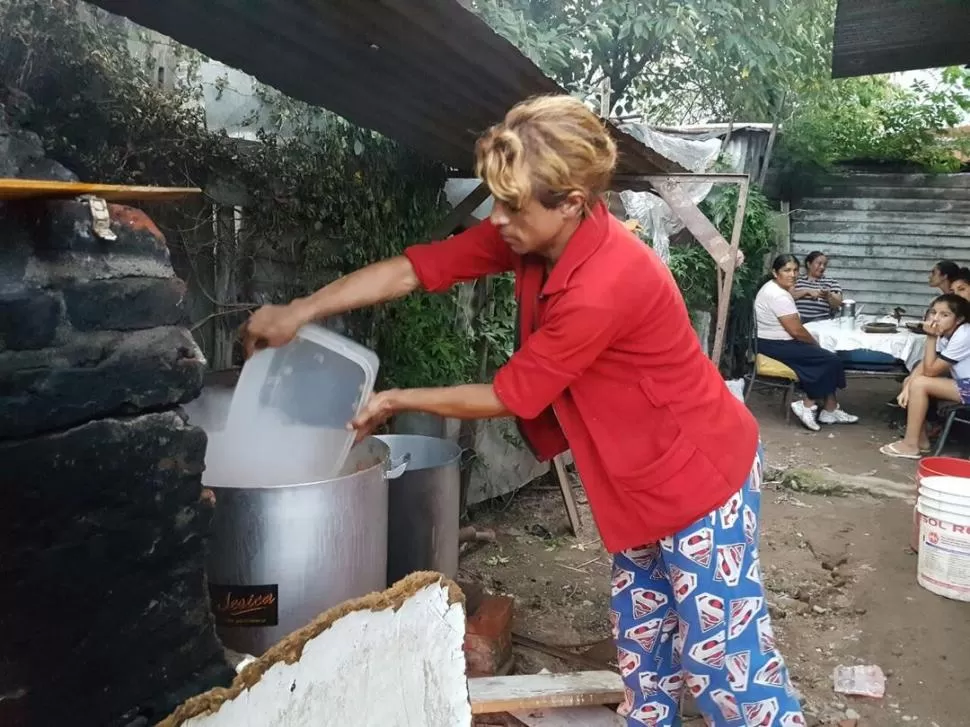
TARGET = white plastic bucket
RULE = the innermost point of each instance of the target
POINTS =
(944, 543)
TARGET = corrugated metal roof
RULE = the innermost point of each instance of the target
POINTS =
(886, 36)
(427, 73)
(883, 233)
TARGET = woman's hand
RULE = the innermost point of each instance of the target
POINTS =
(903, 398)
(379, 408)
(272, 326)
(932, 328)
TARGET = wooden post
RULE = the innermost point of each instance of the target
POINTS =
(565, 486)
(724, 292)
(772, 137)
(606, 98)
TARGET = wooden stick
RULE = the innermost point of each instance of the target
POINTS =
(529, 691)
(570, 717)
(565, 486)
(559, 653)
(724, 294)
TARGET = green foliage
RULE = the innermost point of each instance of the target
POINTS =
(871, 119)
(322, 195)
(673, 59)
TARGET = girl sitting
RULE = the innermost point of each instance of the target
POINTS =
(947, 350)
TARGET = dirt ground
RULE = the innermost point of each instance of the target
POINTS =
(840, 576)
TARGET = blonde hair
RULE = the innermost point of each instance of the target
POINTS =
(546, 147)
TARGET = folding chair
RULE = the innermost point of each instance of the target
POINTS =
(770, 373)
(952, 412)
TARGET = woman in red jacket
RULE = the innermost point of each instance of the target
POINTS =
(610, 367)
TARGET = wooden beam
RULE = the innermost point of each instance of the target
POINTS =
(637, 182)
(695, 221)
(724, 292)
(566, 487)
(461, 210)
(531, 691)
(772, 137)
(20, 189)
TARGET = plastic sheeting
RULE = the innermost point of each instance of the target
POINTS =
(655, 216)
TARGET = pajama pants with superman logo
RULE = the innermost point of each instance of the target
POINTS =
(690, 612)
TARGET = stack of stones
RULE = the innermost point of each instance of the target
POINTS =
(104, 618)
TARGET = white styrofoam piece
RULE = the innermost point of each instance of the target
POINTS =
(391, 668)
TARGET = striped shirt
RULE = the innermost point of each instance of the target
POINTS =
(811, 309)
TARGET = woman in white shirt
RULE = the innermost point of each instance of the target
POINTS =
(947, 352)
(782, 336)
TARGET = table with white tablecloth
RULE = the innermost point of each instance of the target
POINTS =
(835, 335)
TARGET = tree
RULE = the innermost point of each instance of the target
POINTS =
(672, 58)
(872, 119)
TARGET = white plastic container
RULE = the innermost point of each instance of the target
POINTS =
(944, 543)
(292, 406)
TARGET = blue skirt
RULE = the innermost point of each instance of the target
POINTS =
(820, 372)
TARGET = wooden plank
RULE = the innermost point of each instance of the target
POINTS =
(566, 488)
(21, 189)
(695, 221)
(724, 291)
(462, 210)
(570, 717)
(534, 691)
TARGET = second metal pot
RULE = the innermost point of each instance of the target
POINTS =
(423, 506)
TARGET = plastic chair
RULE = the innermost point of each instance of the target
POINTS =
(770, 373)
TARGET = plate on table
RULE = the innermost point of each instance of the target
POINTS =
(880, 328)
(915, 327)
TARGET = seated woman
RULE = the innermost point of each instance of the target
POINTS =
(960, 284)
(943, 274)
(816, 296)
(947, 351)
(782, 336)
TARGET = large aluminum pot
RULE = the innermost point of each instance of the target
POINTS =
(423, 506)
(279, 556)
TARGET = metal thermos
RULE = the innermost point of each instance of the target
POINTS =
(847, 314)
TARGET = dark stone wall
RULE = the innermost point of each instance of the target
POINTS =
(104, 617)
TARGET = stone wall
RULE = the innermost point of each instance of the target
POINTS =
(104, 618)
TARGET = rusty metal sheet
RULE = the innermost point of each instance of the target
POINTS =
(886, 36)
(427, 73)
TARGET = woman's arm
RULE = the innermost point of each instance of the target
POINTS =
(469, 401)
(436, 267)
(799, 293)
(793, 325)
(276, 325)
(933, 365)
(834, 298)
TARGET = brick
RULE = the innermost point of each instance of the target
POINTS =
(96, 375)
(29, 320)
(125, 305)
(66, 248)
(488, 637)
(103, 565)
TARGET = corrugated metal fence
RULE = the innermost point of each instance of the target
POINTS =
(884, 232)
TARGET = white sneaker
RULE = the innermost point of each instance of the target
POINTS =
(806, 415)
(839, 416)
